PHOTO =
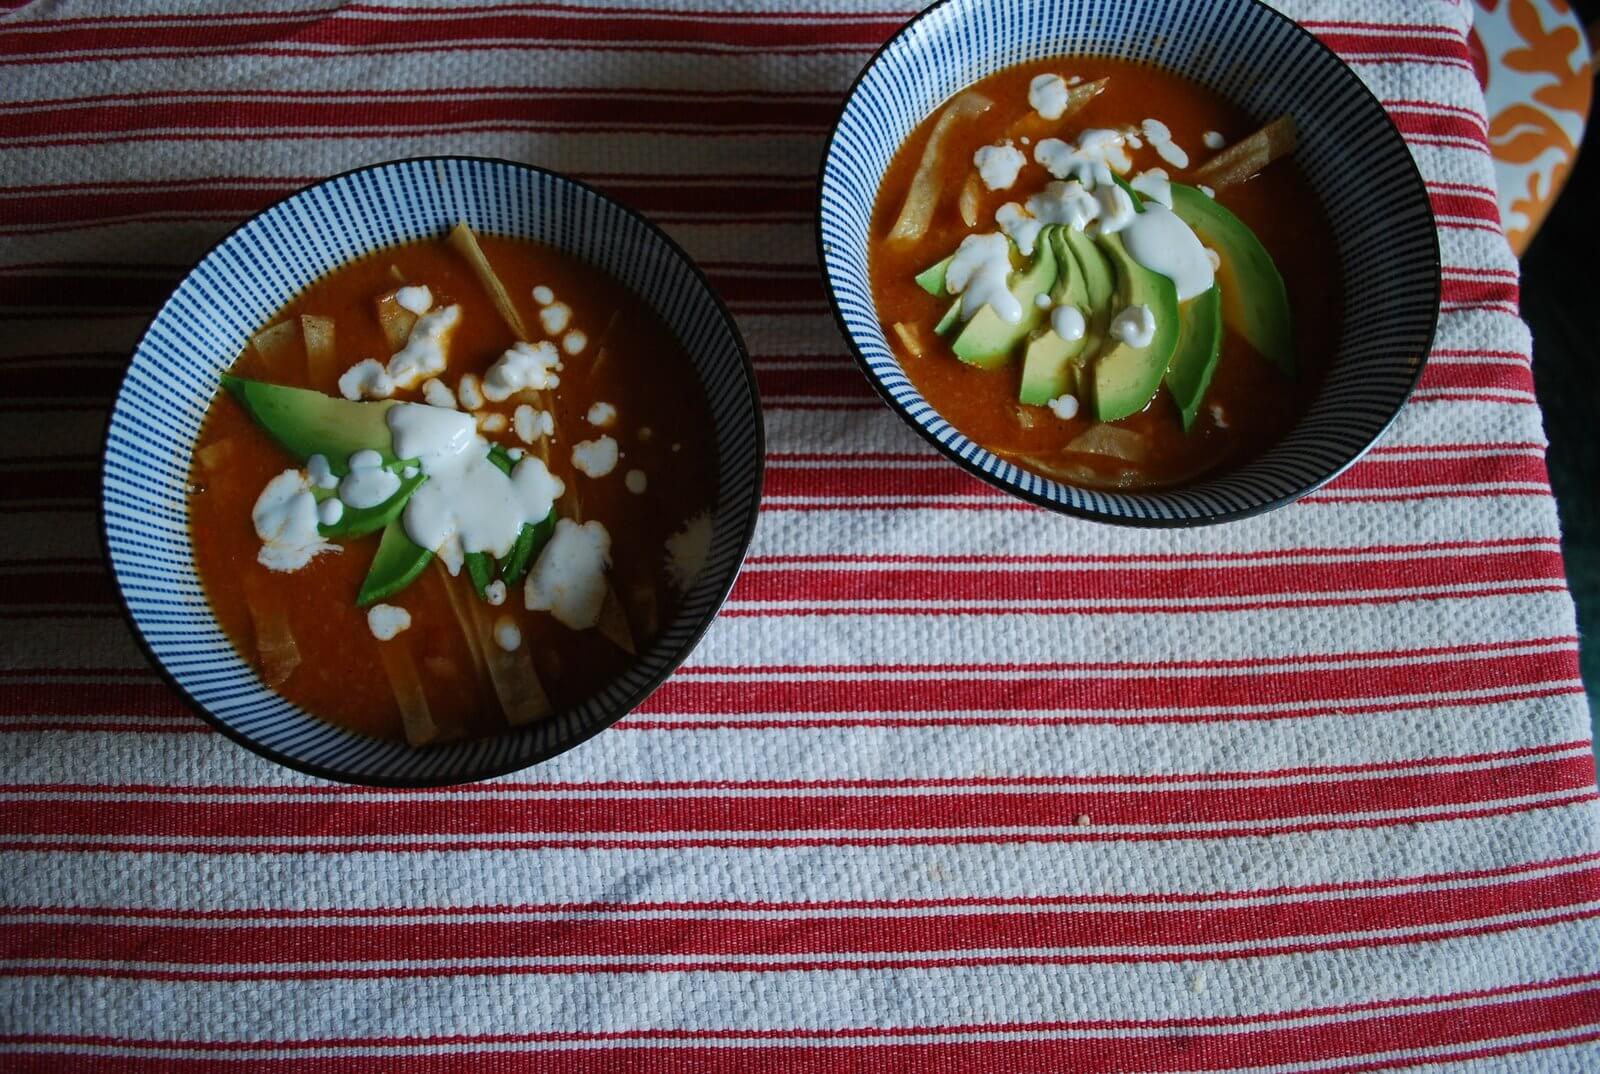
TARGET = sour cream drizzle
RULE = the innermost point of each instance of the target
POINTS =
(467, 500)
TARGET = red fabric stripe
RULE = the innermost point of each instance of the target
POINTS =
(1566, 1018)
(1003, 693)
(613, 27)
(1140, 930)
(779, 813)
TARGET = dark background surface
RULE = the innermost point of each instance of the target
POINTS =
(1561, 302)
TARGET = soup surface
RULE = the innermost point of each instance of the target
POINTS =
(1249, 402)
(626, 388)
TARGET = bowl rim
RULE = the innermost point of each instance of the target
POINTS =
(1436, 265)
(636, 696)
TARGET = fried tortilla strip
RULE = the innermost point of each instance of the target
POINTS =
(395, 320)
(275, 343)
(613, 623)
(277, 653)
(320, 361)
(415, 716)
(917, 212)
(1244, 160)
(465, 242)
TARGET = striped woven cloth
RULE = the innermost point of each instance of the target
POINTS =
(952, 785)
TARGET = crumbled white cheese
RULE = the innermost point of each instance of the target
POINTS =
(492, 423)
(425, 353)
(1043, 300)
(1213, 140)
(1207, 191)
(596, 458)
(525, 365)
(1215, 259)
(1219, 417)
(1065, 203)
(470, 394)
(1064, 407)
(569, 578)
(555, 317)
(530, 424)
(495, 592)
(506, 634)
(999, 165)
(330, 511)
(418, 299)
(1160, 138)
(543, 295)
(635, 481)
(1047, 95)
(437, 393)
(367, 379)
(386, 621)
(574, 342)
(686, 551)
(1135, 326)
(602, 414)
(285, 518)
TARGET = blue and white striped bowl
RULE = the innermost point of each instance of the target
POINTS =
(1360, 168)
(242, 282)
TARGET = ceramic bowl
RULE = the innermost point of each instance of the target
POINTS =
(1386, 242)
(248, 277)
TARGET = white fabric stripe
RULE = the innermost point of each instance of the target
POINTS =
(1171, 905)
(254, 796)
(823, 999)
(777, 961)
(839, 753)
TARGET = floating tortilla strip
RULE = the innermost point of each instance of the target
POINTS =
(321, 363)
(911, 338)
(461, 606)
(1033, 125)
(613, 622)
(277, 653)
(215, 455)
(923, 197)
(465, 242)
(1110, 441)
(415, 715)
(395, 320)
(275, 343)
(970, 193)
(1245, 160)
(516, 683)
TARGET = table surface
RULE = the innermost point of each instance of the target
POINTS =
(952, 784)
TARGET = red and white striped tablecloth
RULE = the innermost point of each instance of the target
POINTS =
(952, 785)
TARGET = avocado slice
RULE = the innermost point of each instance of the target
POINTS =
(530, 542)
(1047, 365)
(398, 563)
(1099, 279)
(987, 341)
(308, 423)
(950, 318)
(931, 279)
(1255, 302)
(1127, 378)
(360, 521)
(1199, 347)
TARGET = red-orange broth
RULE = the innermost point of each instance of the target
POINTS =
(1249, 406)
(663, 427)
